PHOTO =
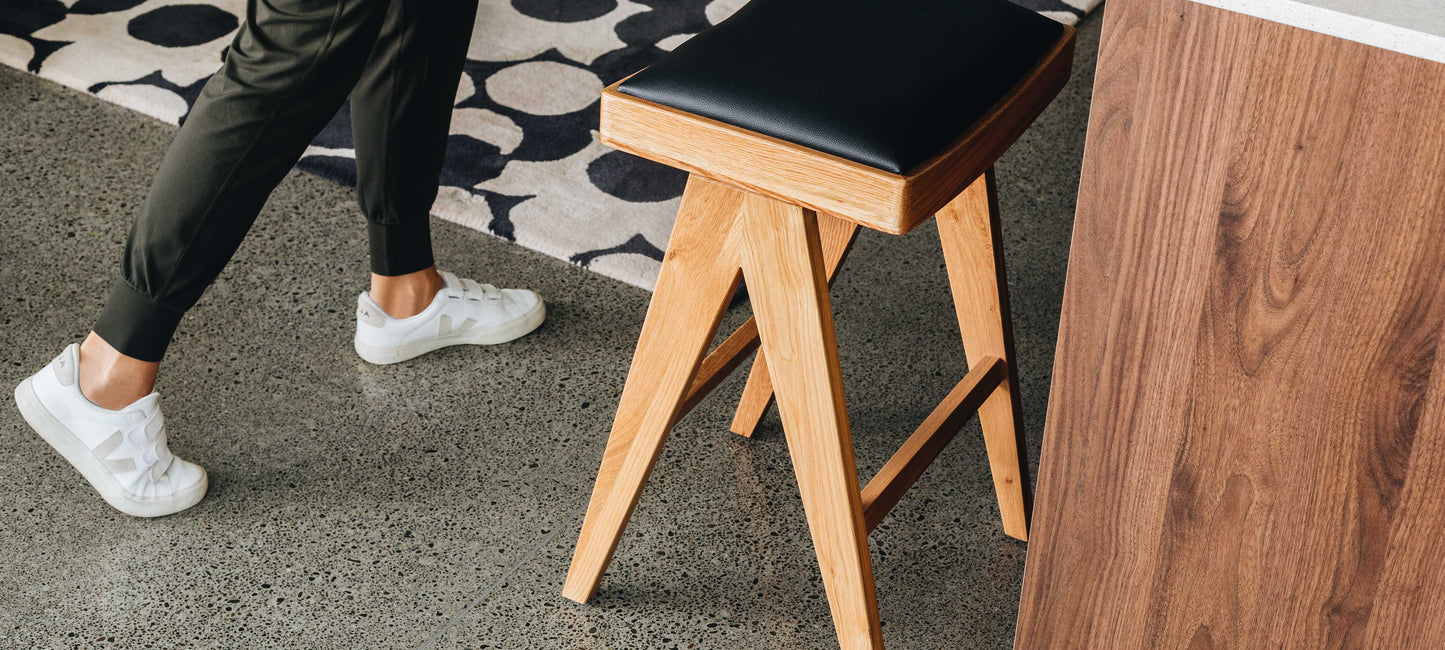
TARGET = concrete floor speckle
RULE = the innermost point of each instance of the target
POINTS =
(354, 506)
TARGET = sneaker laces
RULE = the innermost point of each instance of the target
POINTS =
(156, 457)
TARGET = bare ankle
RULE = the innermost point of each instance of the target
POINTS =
(404, 296)
(110, 379)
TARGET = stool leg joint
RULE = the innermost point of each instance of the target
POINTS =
(730, 354)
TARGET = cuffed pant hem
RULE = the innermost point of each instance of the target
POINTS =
(137, 325)
(399, 249)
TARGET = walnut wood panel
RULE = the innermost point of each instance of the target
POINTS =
(1245, 438)
(782, 170)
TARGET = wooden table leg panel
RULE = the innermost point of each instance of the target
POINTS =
(1244, 439)
(1404, 613)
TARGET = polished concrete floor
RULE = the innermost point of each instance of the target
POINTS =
(435, 503)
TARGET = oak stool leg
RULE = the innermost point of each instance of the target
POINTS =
(837, 236)
(973, 251)
(757, 395)
(699, 274)
(784, 266)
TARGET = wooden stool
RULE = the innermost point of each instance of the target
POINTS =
(788, 156)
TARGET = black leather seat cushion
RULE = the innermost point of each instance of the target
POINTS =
(886, 83)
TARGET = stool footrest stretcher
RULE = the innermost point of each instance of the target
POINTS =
(918, 452)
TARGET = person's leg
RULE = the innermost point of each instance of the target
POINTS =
(285, 75)
(401, 115)
(287, 72)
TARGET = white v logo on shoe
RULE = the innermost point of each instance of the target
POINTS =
(115, 465)
(446, 325)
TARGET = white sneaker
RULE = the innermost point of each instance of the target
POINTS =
(463, 313)
(122, 453)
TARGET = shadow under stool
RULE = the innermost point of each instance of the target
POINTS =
(799, 121)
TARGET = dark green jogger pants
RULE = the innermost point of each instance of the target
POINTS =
(289, 69)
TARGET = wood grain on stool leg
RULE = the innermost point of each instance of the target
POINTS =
(783, 264)
(973, 250)
(837, 236)
(757, 395)
(699, 274)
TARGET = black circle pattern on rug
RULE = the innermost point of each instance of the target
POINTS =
(632, 178)
(565, 11)
(182, 25)
(103, 6)
(22, 19)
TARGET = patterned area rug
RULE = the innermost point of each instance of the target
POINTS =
(523, 162)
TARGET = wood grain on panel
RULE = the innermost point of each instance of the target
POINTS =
(1245, 439)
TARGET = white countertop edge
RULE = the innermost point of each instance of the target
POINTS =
(1342, 25)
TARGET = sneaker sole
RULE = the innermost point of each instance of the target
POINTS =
(495, 335)
(62, 440)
